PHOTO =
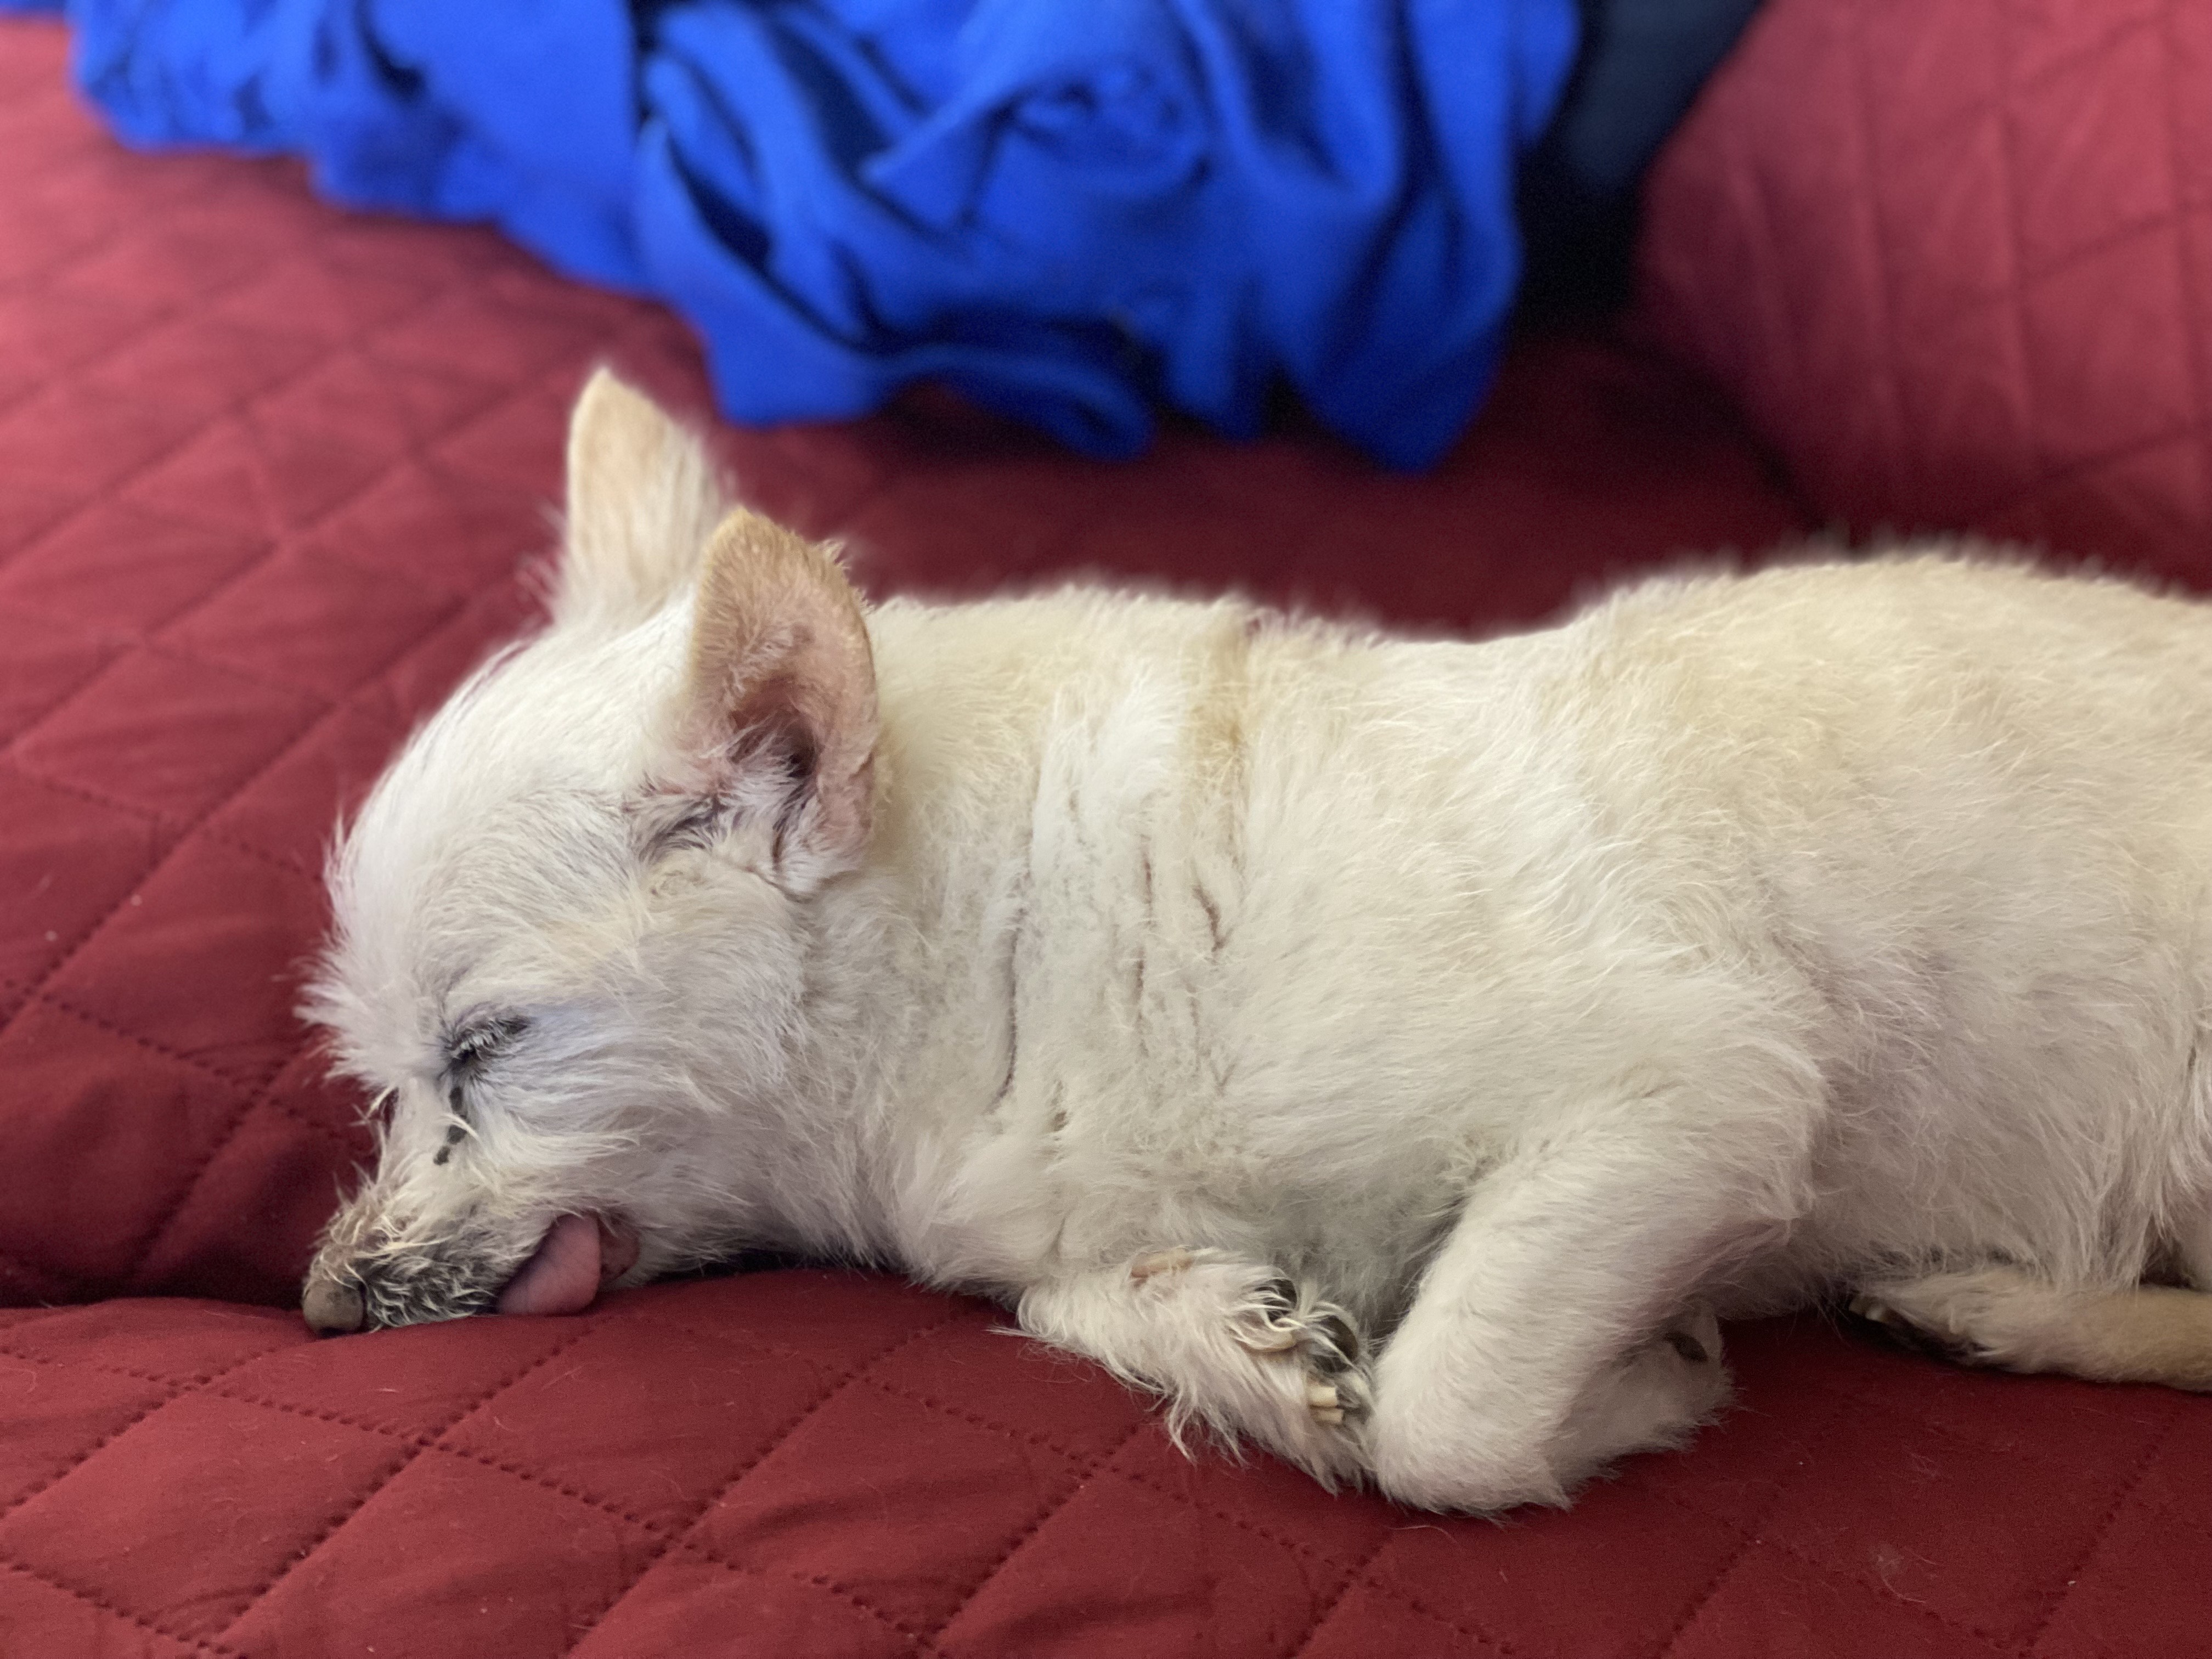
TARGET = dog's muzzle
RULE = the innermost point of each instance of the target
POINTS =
(576, 1256)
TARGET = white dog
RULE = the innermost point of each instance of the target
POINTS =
(1392, 1052)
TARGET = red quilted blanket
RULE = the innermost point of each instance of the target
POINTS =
(271, 478)
(1955, 260)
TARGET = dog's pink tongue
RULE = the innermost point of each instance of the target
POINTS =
(578, 1253)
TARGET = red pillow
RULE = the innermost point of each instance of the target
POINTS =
(1955, 260)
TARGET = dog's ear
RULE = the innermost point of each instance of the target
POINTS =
(642, 502)
(776, 719)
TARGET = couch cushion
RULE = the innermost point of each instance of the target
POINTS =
(1956, 262)
(804, 1465)
(274, 477)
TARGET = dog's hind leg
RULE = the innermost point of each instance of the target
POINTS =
(1233, 1344)
(2003, 1317)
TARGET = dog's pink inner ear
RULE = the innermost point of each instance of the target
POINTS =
(642, 502)
(780, 696)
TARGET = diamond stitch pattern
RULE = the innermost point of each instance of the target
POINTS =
(272, 480)
(1955, 262)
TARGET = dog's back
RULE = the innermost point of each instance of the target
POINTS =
(1322, 915)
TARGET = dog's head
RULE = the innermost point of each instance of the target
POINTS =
(572, 927)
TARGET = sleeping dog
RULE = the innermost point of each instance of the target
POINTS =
(1396, 1053)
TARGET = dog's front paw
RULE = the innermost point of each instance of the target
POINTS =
(1652, 1397)
(1289, 1373)
(1319, 1337)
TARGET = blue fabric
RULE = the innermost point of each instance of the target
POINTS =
(1066, 211)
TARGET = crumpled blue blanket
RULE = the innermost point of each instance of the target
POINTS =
(1067, 210)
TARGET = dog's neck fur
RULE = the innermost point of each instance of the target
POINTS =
(914, 1099)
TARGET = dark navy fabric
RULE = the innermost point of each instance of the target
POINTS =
(1641, 64)
(1066, 210)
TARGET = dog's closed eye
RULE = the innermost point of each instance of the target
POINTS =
(480, 1040)
(468, 1051)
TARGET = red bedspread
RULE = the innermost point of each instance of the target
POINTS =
(272, 478)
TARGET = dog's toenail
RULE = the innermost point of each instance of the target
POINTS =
(1159, 1261)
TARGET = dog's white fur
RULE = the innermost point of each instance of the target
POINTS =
(1216, 989)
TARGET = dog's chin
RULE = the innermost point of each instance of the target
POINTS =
(578, 1255)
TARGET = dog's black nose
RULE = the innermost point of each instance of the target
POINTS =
(332, 1309)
